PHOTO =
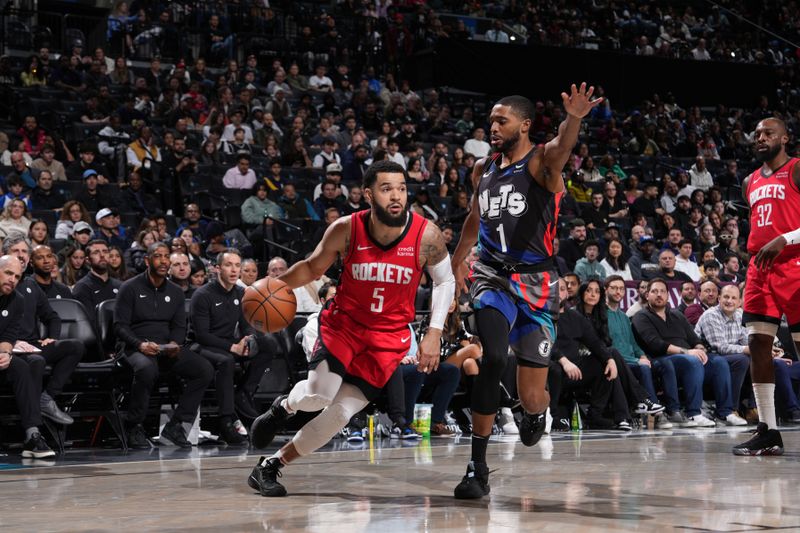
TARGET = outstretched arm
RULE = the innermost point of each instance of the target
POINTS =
(334, 242)
(437, 261)
(577, 104)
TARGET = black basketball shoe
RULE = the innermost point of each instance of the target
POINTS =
(474, 484)
(531, 428)
(765, 441)
(264, 479)
(264, 428)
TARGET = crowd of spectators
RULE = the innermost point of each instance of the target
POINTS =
(262, 156)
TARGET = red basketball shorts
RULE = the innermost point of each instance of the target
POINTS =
(769, 294)
(363, 357)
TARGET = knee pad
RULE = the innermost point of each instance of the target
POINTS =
(312, 402)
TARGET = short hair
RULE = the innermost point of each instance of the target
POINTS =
(590, 242)
(95, 242)
(221, 256)
(151, 250)
(610, 279)
(386, 166)
(14, 239)
(13, 180)
(728, 257)
(664, 251)
(684, 242)
(520, 106)
(323, 291)
(711, 264)
(675, 228)
(571, 274)
(711, 282)
(656, 280)
(685, 282)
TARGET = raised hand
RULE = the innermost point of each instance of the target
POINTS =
(579, 102)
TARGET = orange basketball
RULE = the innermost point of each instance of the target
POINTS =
(269, 305)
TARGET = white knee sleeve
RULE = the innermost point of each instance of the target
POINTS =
(349, 401)
(762, 328)
(317, 392)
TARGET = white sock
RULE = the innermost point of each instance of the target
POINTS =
(765, 402)
(277, 455)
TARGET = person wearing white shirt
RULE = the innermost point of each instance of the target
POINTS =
(684, 262)
(241, 176)
(319, 82)
(477, 146)
(308, 333)
(236, 122)
(614, 262)
(669, 200)
(393, 153)
(496, 34)
(327, 156)
(700, 176)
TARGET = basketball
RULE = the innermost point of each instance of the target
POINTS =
(269, 305)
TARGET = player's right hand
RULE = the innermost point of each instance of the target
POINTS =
(769, 252)
(460, 272)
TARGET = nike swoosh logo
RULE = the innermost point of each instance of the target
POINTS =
(218, 304)
(486, 174)
(363, 247)
(98, 290)
(405, 339)
(519, 166)
(142, 296)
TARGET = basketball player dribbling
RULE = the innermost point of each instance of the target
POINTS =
(772, 288)
(363, 331)
(514, 219)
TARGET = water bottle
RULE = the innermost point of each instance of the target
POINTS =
(576, 424)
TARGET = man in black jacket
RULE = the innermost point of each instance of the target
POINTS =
(215, 314)
(96, 286)
(44, 261)
(587, 363)
(62, 355)
(16, 370)
(45, 196)
(150, 319)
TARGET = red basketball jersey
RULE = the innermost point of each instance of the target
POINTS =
(379, 283)
(774, 207)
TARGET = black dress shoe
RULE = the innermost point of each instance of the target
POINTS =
(229, 434)
(173, 432)
(137, 440)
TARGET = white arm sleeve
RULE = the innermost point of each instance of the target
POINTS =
(444, 287)
(792, 237)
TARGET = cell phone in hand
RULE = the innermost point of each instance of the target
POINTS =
(163, 348)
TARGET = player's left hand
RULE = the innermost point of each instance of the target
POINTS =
(769, 252)
(429, 351)
(611, 370)
(579, 102)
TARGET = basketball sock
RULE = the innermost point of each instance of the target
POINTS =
(765, 402)
(479, 445)
(277, 455)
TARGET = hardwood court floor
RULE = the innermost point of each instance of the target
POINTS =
(644, 481)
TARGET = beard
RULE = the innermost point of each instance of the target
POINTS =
(770, 154)
(100, 269)
(42, 273)
(386, 218)
(508, 144)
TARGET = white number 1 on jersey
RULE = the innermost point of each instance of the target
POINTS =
(503, 246)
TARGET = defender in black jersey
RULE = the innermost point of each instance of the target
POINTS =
(514, 288)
